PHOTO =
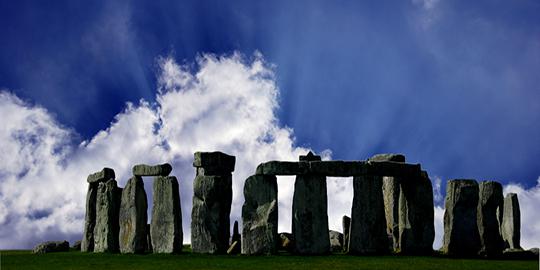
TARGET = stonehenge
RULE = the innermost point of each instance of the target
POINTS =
(392, 211)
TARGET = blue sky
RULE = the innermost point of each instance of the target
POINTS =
(453, 85)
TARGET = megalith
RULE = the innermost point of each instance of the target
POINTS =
(511, 222)
(310, 212)
(368, 223)
(87, 242)
(461, 237)
(133, 217)
(149, 170)
(489, 218)
(211, 202)
(107, 211)
(416, 216)
(346, 225)
(260, 215)
(166, 226)
(236, 240)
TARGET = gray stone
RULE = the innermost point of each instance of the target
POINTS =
(217, 161)
(166, 225)
(388, 157)
(283, 168)
(101, 176)
(461, 237)
(346, 224)
(391, 190)
(511, 222)
(287, 242)
(236, 237)
(310, 217)
(77, 245)
(107, 211)
(51, 246)
(489, 218)
(260, 215)
(368, 224)
(210, 213)
(149, 248)
(133, 217)
(416, 216)
(148, 170)
(336, 241)
(87, 243)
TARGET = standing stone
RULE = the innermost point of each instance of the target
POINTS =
(489, 218)
(149, 248)
(107, 210)
(368, 224)
(416, 216)
(236, 237)
(87, 243)
(166, 225)
(346, 224)
(309, 209)
(511, 223)
(102, 176)
(260, 215)
(133, 217)
(336, 241)
(461, 237)
(210, 223)
(391, 190)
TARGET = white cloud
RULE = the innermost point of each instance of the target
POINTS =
(439, 227)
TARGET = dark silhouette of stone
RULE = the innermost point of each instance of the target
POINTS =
(148, 170)
(101, 176)
(461, 237)
(233, 248)
(260, 215)
(283, 168)
(166, 225)
(489, 218)
(107, 211)
(416, 216)
(149, 248)
(388, 157)
(133, 217)
(87, 243)
(511, 222)
(77, 245)
(368, 223)
(236, 237)
(286, 242)
(336, 241)
(346, 224)
(51, 246)
(211, 202)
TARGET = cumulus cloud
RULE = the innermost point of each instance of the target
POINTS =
(221, 103)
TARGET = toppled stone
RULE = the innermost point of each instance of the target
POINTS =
(107, 211)
(287, 242)
(101, 176)
(51, 246)
(166, 225)
(346, 225)
(511, 222)
(368, 223)
(87, 243)
(391, 190)
(260, 215)
(489, 218)
(416, 216)
(148, 170)
(133, 217)
(310, 217)
(77, 245)
(461, 237)
(388, 157)
(236, 237)
(217, 161)
(336, 241)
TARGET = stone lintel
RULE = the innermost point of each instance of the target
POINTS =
(101, 176)
(217, 160)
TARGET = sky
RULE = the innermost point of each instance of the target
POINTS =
(453, 85)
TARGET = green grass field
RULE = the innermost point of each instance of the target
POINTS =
(78, 260)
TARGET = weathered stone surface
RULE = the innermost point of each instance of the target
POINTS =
(368, 224)
(511, 222)
(287, 242)
(282, 168)
(51, 246)
(391, 189)
(346, 225)
(107, 211)
(310, 217)
(461, 237)
(101, 176)
(149, 170)
(166, 225)
(416, 216)
(87, 243)
(489, 218)
(77, 245)
(260, 215)
(236, 237)
(210, 213)
(388, 157)
(336, 241)
(220, 161)
(149, 248)
(133, 217)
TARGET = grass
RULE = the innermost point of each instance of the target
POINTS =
(76, 260)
